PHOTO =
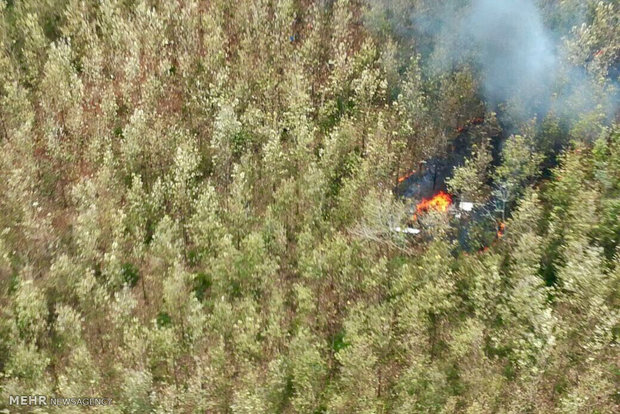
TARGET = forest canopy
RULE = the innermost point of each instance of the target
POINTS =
(311, 206)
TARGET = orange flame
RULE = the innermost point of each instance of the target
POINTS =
(468, 123)
(500, 230)
(404, 177)
(439, 202)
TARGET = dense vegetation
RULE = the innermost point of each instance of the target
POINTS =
(197, 203)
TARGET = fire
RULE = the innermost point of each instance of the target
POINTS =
(469, 123)
(439, 202)
(404, 177)
(500, 230)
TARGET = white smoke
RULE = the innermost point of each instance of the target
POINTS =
(520, 62)
(515, 53)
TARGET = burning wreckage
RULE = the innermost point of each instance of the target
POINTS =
(426, 188)
(427, 191)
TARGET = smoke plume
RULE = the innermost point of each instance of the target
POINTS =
(515, 53)
(520, 61)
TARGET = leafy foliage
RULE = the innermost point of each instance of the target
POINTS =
(197, 212)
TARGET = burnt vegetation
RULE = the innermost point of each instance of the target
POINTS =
(295, 206)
